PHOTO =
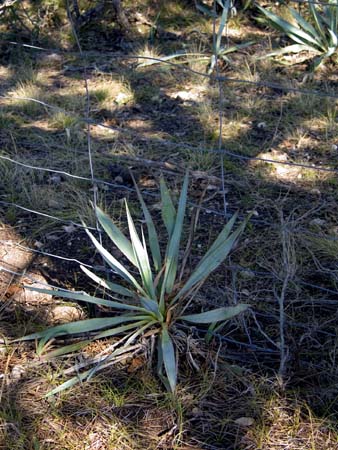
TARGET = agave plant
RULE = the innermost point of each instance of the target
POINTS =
(318, 35)
(155, 299)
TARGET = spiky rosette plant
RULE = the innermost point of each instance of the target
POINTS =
(316, 34)
(156, 299)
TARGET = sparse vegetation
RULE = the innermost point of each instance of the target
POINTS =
(154, 119)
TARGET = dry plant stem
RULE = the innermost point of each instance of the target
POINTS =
(5, 374)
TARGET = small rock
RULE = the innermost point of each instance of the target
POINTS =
(248, 274)
(17, 372)
(122, 98)
(38, 244)
(69, 228)
(55, 179)
(261, 125)
(315, 192)
(334, 230)
(64, 314)
(334, 147)
(318, 222)
(196, 411)
(118, 179)
(245, 421)
(53, 203)
(27, 296)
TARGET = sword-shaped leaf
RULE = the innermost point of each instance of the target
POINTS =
(168, 209)
(169, 359)
(152, 234)
(216, 315)
(141, 257)
(107, 284)
(293, 32)
(214, 256)
(83, 297)
(116, 235)
(152, 306)
(81, 326)
(114, 264)
(174, 244)
(224, 20)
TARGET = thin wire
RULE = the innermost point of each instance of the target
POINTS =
(197, 149)
(223, 78)
(49, 216)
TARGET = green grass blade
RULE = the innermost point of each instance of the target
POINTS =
(141, 257)
(116, 235)
(169, 359)
(114, 264)
(168, 210)
(152, 234)
(107, 284)
(216, 315)
(83, 297)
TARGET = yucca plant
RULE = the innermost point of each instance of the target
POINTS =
(155, 300)
(318, 35)
(219, 51)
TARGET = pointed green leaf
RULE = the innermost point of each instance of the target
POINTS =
(152, 234)
(123, 328)
(81, 326)
(234, 48)
(151, 305)
(304, 24)
(214, 257)
(168, 210)
(216, 315)
(293, 32)
(169, 358)
(83, 297)
(71, 348)
(107, 284)
(116, 235)
(114, 263)
(174, 244)
(224, 20)
(69, 383)
(141, 257)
